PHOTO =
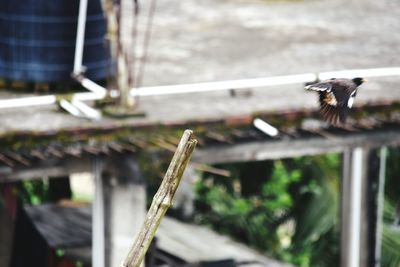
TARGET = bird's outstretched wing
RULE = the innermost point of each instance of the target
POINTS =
(319, 87)
(331, 99)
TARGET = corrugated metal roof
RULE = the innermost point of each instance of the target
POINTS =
(69, 227)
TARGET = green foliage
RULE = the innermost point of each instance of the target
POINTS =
(33, 192)
(390, 237)
(390, 246)
(60, 252)
(290, 216)
(289, 208)
(391, 234)
(392, 184)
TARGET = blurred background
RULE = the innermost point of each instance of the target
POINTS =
(95, 95)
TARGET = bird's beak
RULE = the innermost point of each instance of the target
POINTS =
(365, 81)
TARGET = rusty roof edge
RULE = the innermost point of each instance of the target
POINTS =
(145, 130)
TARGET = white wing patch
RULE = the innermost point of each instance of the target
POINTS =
(317, 88)
(350, 102)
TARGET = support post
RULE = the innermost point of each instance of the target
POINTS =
(125, 205)
(353, 172)
(119, 52)
(345, 208)
(358, 207)
(80, 37)
(369, 208)
(162, 200)
(380, 200)
(98, 216)
(8, 209)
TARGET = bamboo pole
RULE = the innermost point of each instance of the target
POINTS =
(119, 51)
(162, 200)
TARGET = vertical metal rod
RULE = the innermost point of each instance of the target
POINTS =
(98, 239)
(80, 37)
(355, 207)
(345, 208)
(380, 200)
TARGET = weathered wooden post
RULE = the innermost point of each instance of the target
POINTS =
(120, 52)
(120, 201)
(162, 200)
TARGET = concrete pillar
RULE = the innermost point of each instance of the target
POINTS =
(125, 206)
(98, 249)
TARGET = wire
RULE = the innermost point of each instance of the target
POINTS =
(146, 42)
(132, 58)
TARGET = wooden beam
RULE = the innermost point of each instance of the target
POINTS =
(288, 148)
(61, 168)
(194, 244)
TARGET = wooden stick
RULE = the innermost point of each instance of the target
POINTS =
(210, 169)
(162, 200)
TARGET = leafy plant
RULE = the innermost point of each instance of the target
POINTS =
(390, 233)
(289, 208)
(291, 215)
(33, 192)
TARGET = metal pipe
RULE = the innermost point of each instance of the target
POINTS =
(93, 87)
(67, 106)
(223, 85)
(345, 207)
(99, 92)
(28, 101)
(355, 207)
(87, 111)
(80, 37)
(261, 82)
(381, 200)
(265, 127)
(365, 73)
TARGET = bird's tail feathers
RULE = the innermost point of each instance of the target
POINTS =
(332, 115)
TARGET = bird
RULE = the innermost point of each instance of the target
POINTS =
(336, 97)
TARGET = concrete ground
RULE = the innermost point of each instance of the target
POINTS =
(212, 40)
(202, 41)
